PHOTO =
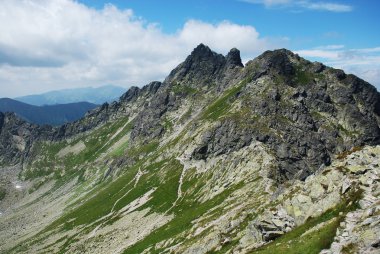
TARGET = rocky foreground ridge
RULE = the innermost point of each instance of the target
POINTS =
(274, 156)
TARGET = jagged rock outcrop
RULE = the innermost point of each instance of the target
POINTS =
(129, 104)
(134, 92)
(349, 188)
(148, 123)
(203, 67)
(360, 230)
(17, 136)
(233, 58)
(304, 111)
(219, 157)
(202, 71)
(199, 68)
(270, 226)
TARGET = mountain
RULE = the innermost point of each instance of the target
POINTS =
(53, 115)
(280, 155)
(98, 95)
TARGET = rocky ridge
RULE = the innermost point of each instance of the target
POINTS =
(319, 111)
(219, 157)
(352, 181)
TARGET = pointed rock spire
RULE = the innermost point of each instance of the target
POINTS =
(233, 58)
(201, 52)
(201, 65)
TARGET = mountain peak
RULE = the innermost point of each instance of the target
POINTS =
(203, 64)
(201, 52)
(233, 58)
(212, 131)
(280, 60)
(200, 47)
(278, 55)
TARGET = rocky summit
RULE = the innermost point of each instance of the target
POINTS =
(280, 155)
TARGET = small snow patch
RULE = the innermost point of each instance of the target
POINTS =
(18, 186)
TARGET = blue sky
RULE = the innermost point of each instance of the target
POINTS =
(355, 28)
(54, 44)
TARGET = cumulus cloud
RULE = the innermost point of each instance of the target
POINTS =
(304, 4)
(225, 35)
(363, 62)
(53, 44)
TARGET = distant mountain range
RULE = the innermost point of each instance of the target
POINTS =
(97, 95)
(51, 114)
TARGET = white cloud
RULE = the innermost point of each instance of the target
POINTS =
(363, 62)
(304, 4)
(225, 35)
(320, 53)
(54, 44)
(269, 3)
(327, 6)
(329, 47)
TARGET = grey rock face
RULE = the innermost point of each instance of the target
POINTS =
(200, 68)
(277, 61)
(279, 116)
(17, 136)
(233, 58)
(274, 224)
(303, 111)
(204, 67)
(224, 138)
(108, 112)
(134, 92)
(147, 124)
(267, 227)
